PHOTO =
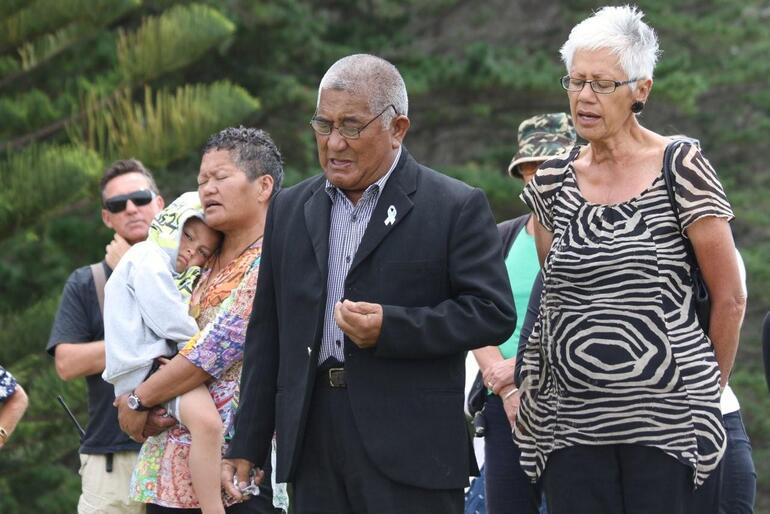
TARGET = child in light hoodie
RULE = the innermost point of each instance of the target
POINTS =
(146, 317)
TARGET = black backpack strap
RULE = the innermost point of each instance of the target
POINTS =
(701, 297)
(100, 279)
(477, 396)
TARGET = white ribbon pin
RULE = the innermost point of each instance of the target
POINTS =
(391, 219)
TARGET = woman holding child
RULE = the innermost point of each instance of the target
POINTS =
(240, 170)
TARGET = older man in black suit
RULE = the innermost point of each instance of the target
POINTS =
(376, 278)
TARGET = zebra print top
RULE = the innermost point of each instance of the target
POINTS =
(617, 355)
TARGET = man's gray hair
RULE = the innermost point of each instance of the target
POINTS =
(620, 30)
(372, 77)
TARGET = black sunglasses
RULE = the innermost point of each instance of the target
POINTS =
(117, 203)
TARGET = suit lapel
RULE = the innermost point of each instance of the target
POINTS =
(317, 221)
(401, 184)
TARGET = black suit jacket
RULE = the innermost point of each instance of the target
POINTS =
(438, 271)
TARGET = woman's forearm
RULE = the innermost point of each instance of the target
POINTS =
(715, 252)
(725, 325)
(487, 356)
(174, 379)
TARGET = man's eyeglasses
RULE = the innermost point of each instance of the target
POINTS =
(324, 127)
(118, 203)
(603, 87)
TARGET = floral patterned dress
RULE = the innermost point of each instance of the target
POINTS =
(222, 306)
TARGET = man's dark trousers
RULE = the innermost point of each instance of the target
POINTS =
(335, 476)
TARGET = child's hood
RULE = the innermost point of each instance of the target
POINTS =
(166, 227)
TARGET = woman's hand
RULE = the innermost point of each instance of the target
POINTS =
(511, 397)
(499, 375)
(235, 477)
(131, 421)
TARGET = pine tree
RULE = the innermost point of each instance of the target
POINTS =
(83, 83)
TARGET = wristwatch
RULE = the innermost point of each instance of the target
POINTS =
(134, 403)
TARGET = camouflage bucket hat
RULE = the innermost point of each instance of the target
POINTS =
(542, 137)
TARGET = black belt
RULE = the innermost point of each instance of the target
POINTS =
(332, 377)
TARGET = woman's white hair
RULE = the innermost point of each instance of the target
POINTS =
(620, 30)
(372, 77)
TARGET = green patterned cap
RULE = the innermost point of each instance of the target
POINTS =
(542, 137)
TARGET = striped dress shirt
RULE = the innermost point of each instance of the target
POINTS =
(346, 230)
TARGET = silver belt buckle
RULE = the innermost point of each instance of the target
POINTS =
(337, 377)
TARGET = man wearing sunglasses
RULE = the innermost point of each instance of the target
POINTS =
(130, 200)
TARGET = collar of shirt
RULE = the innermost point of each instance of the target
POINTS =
(373, 189)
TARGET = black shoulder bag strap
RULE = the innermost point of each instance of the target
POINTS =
(701, 300)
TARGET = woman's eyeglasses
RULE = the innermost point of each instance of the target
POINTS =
(118, 203)
(604, 87)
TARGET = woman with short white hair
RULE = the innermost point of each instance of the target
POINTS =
(621, 378)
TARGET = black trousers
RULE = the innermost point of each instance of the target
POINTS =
(739, 477)
(508, 489)
(616, 479)
(335, 475)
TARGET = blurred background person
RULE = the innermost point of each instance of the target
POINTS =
(130, 200)
(507, 488)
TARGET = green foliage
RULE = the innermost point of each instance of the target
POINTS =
(501, 190)
(24, 112)
(8, 66)
(40, 179)
(25, 330)
(168, 126)
(37, 18)
(171, 41)
(34, 53)
(8, 7)
(42, 16)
